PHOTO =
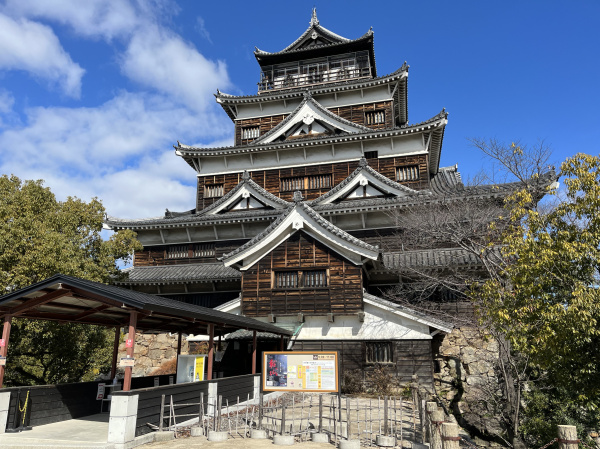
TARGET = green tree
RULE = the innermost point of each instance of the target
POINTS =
(39, 237)
(547, 299)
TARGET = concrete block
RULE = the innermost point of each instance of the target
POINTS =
(213, 435)
(349, 444)
(124, 405)
(258, 434)
(385, 441)
(320, 437)
(197, 431)
(163, 436)
(212, 397)
(283, 440)
(121, 430)
(4, 404)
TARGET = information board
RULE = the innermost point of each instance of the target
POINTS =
(300, 371)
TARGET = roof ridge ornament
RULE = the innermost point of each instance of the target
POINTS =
(297, 196)
(363, 162)
(313, 18)
(245, 175)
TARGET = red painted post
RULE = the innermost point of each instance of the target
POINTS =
(211, 350)
(113, 367)
(4, 348)
(130, 336)
(254, 352)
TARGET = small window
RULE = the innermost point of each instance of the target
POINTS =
(306, 182)
(408, 173)
(286, 279)
(291, 184)
(177, 252)
(319, 182)
(379, 352)
(314, 279)
(250, 132)
(204, 250)
(213, 190)
(375, 117)
(371, 154)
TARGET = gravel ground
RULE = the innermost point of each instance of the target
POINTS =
(237, 443)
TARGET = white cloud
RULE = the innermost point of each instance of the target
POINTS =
(162, 60)
(108, 19)
(33, 47)
(201, 28)
(120, 152)
(7, 101)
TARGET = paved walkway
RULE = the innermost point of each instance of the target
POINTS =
(87, 432)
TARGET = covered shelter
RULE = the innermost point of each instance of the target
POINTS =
(73, 300)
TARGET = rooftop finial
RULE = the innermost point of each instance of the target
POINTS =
(362, 162)
(245, 175)
(297, 196)
(313, 19)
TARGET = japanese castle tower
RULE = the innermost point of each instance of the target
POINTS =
(291, 222)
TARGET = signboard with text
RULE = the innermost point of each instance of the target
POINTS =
(300, 371)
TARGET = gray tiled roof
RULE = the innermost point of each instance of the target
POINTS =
(340, 41)
(430, 258)
(363, 166)
(307, 99)
(326, 225)
(166, 274)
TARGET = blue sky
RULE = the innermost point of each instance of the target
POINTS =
(94, 94)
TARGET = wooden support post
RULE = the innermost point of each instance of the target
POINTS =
(219, 343)
(130, 336)
(567, 437)
(113, 367)
(4, 348)
(450, 438)
(281, 342)
(321, 413)
(254, 352)
(179, 343)
(430, 407)
(211, 350)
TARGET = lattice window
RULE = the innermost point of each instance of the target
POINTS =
(213, 190)
(319, 182)
(408, 173)
(314, 279)
(286, 279)
(250, 132)
(379, 352)
(375, 117)
(291, 184)
(371, 154)
(177, 252)
(306, 182)
(204, 250)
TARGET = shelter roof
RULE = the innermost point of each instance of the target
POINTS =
(70, 299)
(175, 274)
(298, 217)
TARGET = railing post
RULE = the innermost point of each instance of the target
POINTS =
(435, 425)
(567, 437)
(430, 408)
(450, 438)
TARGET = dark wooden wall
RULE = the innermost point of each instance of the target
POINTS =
(270, 179)
(343, 295)
(157, 255)
(410, 357)
(353, 113)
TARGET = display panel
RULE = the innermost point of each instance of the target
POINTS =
(300, 371)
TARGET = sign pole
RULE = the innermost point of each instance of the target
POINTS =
(130, 347)
(4, 345)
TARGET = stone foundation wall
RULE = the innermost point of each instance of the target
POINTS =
(467, 377)
(152, 350)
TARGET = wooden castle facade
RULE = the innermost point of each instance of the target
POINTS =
(293, 223)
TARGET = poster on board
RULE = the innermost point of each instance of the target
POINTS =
(300, 371)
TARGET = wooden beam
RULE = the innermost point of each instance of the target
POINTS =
(253, 352)
(31, 303)
(91, 312)
(4, 347)
(113, 367)
(130, 336)
(211, 350)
